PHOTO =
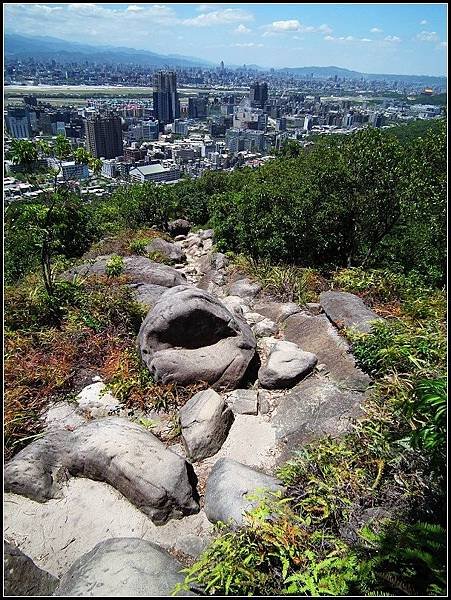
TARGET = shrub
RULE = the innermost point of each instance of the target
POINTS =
(114, 266)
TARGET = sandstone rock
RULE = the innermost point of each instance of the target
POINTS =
(190, 336)
(265, 328)
(171, 251)
(227, 487)
(22, 577)
(113, 450)
(314, 408)
(287, 364)
(318, 335)
(179, 227)
(243, 402)
(205, 421)
(244, 288)
(123, 567)
(147, 293)
(348, 310)
(139, 268)
(277, 311)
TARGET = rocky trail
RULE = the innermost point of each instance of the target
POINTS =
(101, 505)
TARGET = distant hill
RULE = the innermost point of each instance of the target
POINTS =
(48, 48)
(326, 72)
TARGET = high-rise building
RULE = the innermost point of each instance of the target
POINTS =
(258, 94)
(166, 105)
(18, 123)
(197, 108)
(104, 136)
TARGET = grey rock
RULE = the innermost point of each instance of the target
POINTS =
(114, 450)
(208, 244)
(315, 407)
(252, 318)
(206, 234)
(227, 487)
(139, 268)
(220, 261)
(287, 364)
(264, 405)
(179, 227)
(317, 334)
(124, 568)
(22, 577)
(205, 421)
(171, 251)
(179, 238)
(264, 328)
(348, 310)
(243, 402)
(147, 293)
(190, 336)
(277, 311)
(314, 307)
(244, 288)
(235, 305)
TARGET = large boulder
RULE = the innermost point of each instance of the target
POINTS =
(22, 577)
(348, 311)
(314, 408)
(277, 311)
(286, 365)
(171, 251)
(123, 454)
(205, 421)
(124, 568)
(227, 487)
(179, 227)
(316, 334)
(190, 336)
(147, 293)
(139, 268)
(244, 288)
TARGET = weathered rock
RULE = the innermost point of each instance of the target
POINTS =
(205, 421)
(190, 336)
(206, 234)
(208, 244)
(22, 577)
(277, 311)
(139, 268)
(97, 400)
(348, 310)
(252, 318)
(313, 307)
(220, 261)
(287, 364)
(171, 251)
(179, 227)
(265, 328)
(243, 402)
(315, 407)
(318, 335)
(147, 293)
(235, 305)
(123, 567)
(113, 450)
(62, 415)
(244, 288)
(227, 487)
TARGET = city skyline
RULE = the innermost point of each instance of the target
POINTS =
(373, 38)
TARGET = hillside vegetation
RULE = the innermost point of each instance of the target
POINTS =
(365, 214)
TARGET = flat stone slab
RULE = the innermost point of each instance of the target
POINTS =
(348, 311)
(244, 288)
(22, 577)
(317, 334)
(139, 268)
(55, 533)
(243, 402)
(122, 567)
(227, 487)
(114, 450)
(277, 311)
(315, 407)
(286, 365)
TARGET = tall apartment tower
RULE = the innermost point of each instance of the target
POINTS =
(104, 136)
(166, 105)
(258, 94)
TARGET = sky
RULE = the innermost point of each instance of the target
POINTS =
(407, 39)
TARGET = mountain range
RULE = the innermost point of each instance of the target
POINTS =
(47, 48)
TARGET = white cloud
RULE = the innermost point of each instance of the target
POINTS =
(134, 8)
(376, 30)
(294, 25)
(392, 38)
(221, 17)
(428, 36)
(348, 38)
(291, 25)
(242, 29)
(247, 45)
(324, 28)
(423, 22)
(207, 7)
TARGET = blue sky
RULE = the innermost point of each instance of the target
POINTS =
(373, 38)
